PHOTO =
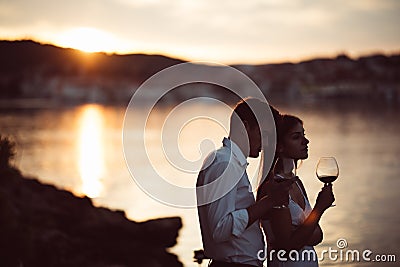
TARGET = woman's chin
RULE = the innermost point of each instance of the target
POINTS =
(303, 157)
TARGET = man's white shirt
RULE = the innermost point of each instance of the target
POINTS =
(224, 185)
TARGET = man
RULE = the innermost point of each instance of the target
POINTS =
(228, 214)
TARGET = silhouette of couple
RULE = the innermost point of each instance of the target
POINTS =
(231, 219)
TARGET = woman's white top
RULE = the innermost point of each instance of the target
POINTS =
(306, 257)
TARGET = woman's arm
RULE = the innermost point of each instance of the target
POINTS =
(303, 235)
(316, 237)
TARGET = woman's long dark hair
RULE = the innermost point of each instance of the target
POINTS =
(263, 173)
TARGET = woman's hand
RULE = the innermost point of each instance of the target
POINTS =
(325, 198)
(278, 191)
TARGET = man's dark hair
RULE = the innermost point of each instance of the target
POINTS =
(245, 109)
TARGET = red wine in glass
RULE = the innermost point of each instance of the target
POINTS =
(327, 179)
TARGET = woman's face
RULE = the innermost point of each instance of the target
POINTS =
(295, 144)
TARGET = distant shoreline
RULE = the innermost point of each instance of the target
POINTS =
(30, 70)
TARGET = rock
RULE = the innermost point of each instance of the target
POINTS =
(41, 225)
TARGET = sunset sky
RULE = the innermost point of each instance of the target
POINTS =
(225, 31)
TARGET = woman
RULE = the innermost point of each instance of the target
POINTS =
(293, 229)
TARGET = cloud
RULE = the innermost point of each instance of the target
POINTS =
(374, 5)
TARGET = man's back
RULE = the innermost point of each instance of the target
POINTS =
(223, 194)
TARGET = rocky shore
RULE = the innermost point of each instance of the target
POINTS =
(41, 225)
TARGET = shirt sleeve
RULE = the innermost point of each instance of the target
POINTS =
(224, 220)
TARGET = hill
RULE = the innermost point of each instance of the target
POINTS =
(33, 70)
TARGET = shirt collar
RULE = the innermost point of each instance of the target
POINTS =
(236, 151)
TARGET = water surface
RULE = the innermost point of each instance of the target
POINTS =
(80, 148)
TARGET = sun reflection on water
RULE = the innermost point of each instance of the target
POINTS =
(91, 157)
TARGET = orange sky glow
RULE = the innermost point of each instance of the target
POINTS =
(258, 31)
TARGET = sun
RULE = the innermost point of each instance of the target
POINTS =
(87, 40)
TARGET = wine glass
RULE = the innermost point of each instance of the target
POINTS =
(327, 170)
(284, 169)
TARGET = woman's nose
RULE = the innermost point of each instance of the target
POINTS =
(305, 140)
